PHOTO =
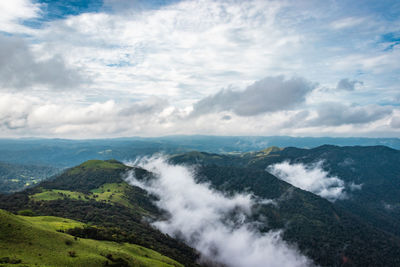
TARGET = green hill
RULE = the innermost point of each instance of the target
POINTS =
(95, 193)
(35, 241)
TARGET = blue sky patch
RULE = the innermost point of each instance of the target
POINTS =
(393, 38)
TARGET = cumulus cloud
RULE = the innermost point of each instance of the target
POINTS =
(334, 114)
(213, 223)
(347, 85)
(20, 68)
(311, 178)
(12, 13)
(267, 95)
(30, 116)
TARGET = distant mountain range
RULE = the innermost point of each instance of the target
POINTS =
(66, 153)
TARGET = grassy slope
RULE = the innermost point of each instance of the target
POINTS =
(35, 241)
(110, 193)
(98, 165)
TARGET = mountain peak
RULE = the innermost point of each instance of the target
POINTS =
(271, 149)
(102, 164)
(89, 175)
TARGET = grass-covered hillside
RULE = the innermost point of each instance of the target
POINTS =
(41, 241)
(95, 194)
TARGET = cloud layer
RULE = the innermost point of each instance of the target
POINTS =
(184, 52)
(212, 223)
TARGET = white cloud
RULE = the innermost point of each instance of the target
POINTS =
(186, 49)
(32, 116)
(213, 223)
(311, 178)
(347, 23)
(12, 13)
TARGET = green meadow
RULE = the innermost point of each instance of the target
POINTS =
(36, 241)
(110, 193)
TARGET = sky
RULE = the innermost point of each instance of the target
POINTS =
(118, 68)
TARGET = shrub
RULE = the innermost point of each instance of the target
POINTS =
(72, 253)
(26, 212)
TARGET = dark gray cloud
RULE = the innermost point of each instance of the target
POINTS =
(346, 84)
(149, 106)
(335, 114)
(267, 95)
(20, 69)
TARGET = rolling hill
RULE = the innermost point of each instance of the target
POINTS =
(42, 241)
(95, 193)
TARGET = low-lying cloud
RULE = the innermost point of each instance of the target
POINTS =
(267, 95)
(311, 178)
(213, 223)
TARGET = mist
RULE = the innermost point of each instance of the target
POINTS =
(214, 224)
(311, 178)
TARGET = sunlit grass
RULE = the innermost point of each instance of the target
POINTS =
(35, 242)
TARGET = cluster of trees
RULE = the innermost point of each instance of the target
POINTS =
(16, 177)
